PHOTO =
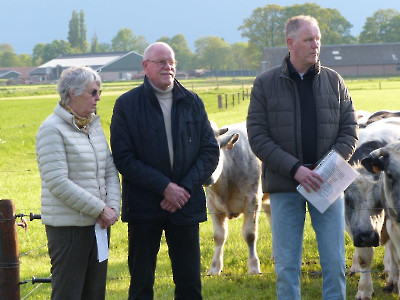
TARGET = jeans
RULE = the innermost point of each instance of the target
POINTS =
(288, 215)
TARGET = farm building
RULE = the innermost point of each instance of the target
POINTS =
(16, 74)
(348, 60)
(111, 66)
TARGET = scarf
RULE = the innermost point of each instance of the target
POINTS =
(80, 122)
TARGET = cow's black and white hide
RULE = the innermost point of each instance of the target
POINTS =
(380, 115)
(364, 220)
(235, 189)
(386, 162)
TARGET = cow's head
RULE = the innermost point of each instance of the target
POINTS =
(364, 214)
(386, 161)
(225, 141)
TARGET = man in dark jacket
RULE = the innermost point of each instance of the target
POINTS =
(165, 149)
(299, 112)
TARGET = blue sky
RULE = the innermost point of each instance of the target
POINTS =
(25, 23)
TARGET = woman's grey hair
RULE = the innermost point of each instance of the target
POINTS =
(293, 24)
(75, 79)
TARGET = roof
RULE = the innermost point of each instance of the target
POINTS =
(94, 60)
(344, 55)
(7, 74)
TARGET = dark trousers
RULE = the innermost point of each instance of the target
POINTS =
(184, 252)
(76, 272)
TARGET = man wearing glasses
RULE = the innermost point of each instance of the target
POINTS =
(165, 149)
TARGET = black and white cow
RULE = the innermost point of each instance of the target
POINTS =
(235, 189)
(364, 214)
(386, 162)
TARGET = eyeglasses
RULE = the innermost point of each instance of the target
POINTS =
(162, 63)
(94, 93)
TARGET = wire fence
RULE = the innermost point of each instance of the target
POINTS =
(23, 210)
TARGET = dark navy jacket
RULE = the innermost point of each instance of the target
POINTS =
(140, 150)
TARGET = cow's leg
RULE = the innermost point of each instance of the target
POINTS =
(250, 232)
(392, 271)
(220, 228)
(365, 287)
(394, 235)
(266, 206)
(355, 265)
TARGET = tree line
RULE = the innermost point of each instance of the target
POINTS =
(263, 28)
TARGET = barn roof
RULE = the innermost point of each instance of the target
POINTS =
(344, 55)
(8, 74)
(94, 60)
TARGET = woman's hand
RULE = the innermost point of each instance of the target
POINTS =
(107, 217)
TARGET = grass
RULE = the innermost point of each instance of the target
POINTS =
(20, 118)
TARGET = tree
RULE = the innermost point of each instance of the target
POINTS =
(335, 29)
(105, 47)
(37, 55)
(74, 32)
(240, 57)
(94, 45)
(83, 44)
(182, 51)
(126, 40)
(213, 53)
(164, 39)
(8, 59)
(25, 60)
(56, 48)
(6, 48)
(265, 27)
(382, 27)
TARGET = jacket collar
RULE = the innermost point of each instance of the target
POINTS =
(67, 117)
(286, 69)
(178, 91)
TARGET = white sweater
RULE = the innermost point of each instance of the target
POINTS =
(77, 171)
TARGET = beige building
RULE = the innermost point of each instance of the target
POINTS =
(112, 66)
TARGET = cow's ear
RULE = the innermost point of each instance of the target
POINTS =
(222, 131)
(234, 138)
(373, 164)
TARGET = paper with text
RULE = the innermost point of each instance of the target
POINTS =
(337, 175)
(102, 242)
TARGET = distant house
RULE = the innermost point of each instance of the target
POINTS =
(9, 74)
(111, 65)
(16, 74)
(348, 60)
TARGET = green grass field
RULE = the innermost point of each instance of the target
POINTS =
(23, 109)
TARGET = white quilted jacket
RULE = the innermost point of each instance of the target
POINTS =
(77, 171)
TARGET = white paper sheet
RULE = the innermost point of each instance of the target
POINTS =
(337, 174)
(102, 243)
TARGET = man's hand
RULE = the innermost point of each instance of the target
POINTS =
(308, 179)
(175, 197)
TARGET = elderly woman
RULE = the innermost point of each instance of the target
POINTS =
(80, 186)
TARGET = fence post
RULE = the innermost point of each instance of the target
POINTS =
(219, 101)
(226, 101)
(238, 98)
(9, 262)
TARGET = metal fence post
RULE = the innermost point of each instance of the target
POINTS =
(9, 260)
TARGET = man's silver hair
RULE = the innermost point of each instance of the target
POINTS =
(149, 50)
(293, 24)
(75, 79)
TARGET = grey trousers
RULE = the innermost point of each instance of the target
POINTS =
(76, 272)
